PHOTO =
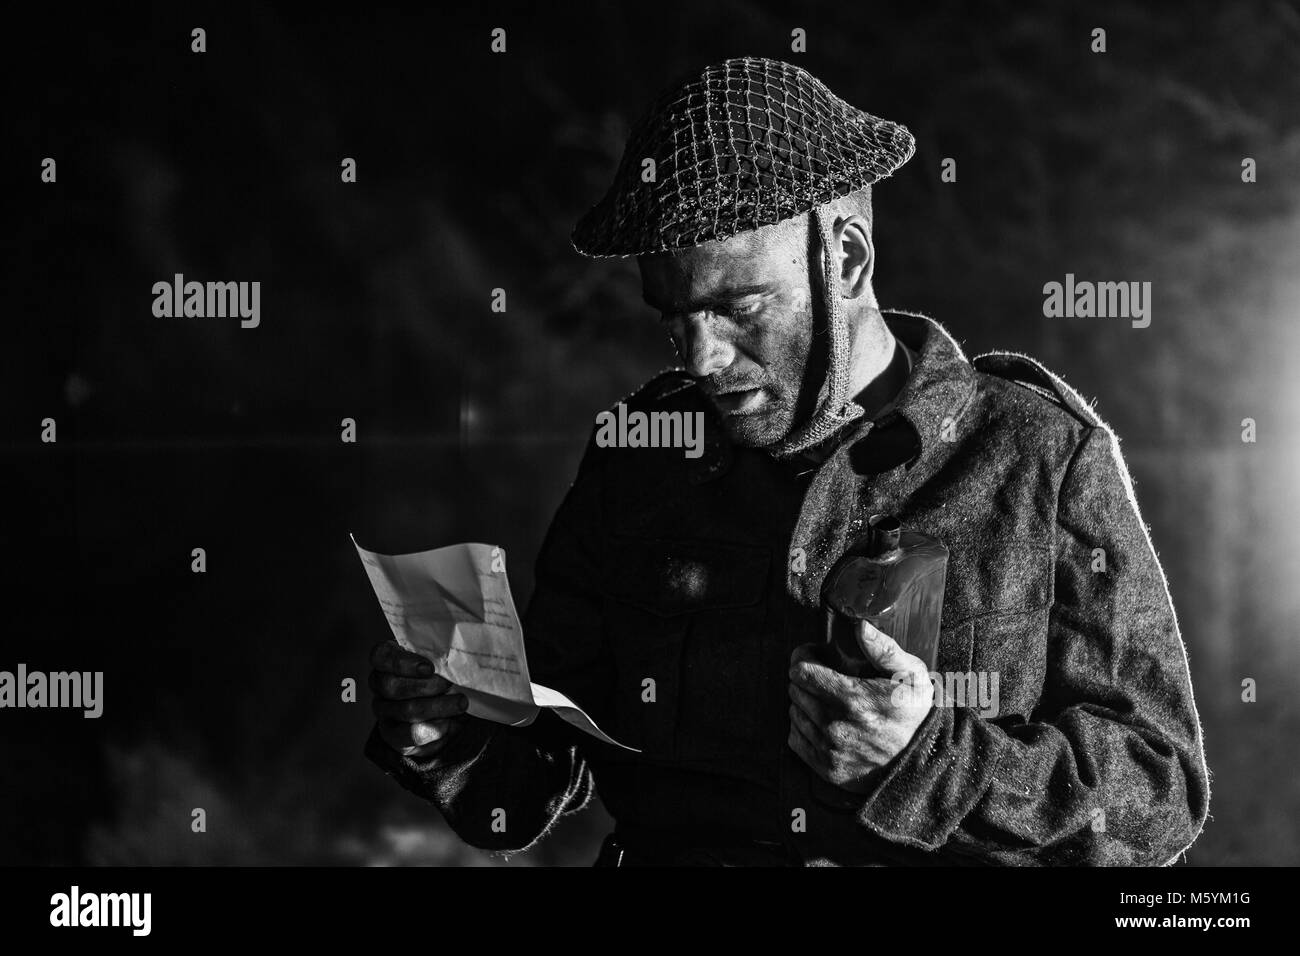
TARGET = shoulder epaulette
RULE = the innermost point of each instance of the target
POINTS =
(1033, 375)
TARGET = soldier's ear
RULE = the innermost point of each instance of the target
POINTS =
(857, 255)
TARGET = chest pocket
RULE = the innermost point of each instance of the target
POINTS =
(685, 622)
(1001, 576)
(997, 600)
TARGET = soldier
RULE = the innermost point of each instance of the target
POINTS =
(677, 598)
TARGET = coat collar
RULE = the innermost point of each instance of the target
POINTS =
(929, 408)
(939, 390)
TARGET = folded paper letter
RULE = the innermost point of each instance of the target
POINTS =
(453, 606)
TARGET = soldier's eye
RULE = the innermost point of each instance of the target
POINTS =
(748, 307)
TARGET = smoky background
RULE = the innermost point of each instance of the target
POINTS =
(222, 689)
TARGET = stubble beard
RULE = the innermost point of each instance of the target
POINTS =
(786, 393)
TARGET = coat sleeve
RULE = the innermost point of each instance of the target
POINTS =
(503, 788)
(1110, 769)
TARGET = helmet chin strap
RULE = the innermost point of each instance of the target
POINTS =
(835, 411)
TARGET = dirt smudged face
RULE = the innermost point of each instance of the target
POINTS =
(740, 314)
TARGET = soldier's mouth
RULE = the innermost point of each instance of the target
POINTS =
(743, 402)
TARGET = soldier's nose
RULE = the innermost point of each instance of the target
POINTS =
(704, 352)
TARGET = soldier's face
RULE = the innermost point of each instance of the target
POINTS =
(740, 314)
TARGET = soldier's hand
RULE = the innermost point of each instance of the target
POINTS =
(417, 712)
(845, 727)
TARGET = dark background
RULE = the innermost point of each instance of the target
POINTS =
(222, 690)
